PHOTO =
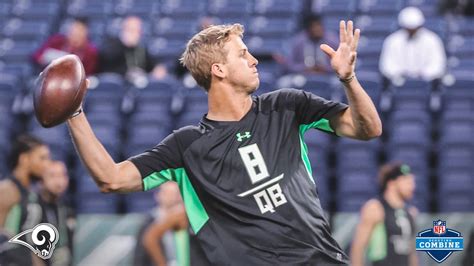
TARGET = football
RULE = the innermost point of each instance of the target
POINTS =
(59, 90)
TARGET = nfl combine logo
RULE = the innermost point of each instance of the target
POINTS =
(439, 227)
(439, 242)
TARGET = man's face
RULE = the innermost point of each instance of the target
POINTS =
(37, 160)
(241, 66)
(55, 178)
(406, 186)
(131, 31)
(316, 30)
(77, 35)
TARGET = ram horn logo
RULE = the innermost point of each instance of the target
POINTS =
(44, 237)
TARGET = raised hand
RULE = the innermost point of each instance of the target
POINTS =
(344, 58)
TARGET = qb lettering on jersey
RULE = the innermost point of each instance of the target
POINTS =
(268, 195)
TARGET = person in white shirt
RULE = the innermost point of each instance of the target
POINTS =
(413, 52)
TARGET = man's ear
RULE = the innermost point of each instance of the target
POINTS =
(23, 159)
(218, 70)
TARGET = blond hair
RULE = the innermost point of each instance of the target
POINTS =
(206, 48)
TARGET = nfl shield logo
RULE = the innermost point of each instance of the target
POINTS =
(439, 227)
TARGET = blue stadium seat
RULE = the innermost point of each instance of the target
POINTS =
(109, 119)
(461, 46)
(453, 180)
(90, 8)
(455, 155)
(412, 95)
(338, 8)
(458, 99)
(18, 29)
(268, 46)
(402, 116)
(317, 84)
(21, 69)
(351, 203)
(267, 26)
(106, 95)
(140, 202)
(277, 8)
(96, 203)
(146, 135)
(390, 7)
(456, 203)
(195, 100)
(169, 27)
(318, 140)
(135, 7)
(189, 118)
(365, 153)
(17, 51)
(462, 25)
(45, 11)
(5, 10)
(436, 24)
(165, 48)
(457, 132)
(109, 137)
(182, 8)
(360, 181)
(232, 8)
(370, 47)
(376, 26)
(409, 133)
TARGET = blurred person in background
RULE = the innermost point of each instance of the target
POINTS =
(386, 229)
(19, 207)
(75, 41)
(127, 56)
(164, 239)
(463, 7)
(413, 52)
(305, 55)
(53, 185)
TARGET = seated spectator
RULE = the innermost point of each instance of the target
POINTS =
(305, 55)
(126, 56)
(75, 41)
(463, 7)
(412, 52)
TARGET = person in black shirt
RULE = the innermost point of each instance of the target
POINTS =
(53, 185)
(19, 205)
(244, 172)
(125, 55)
(386, 228)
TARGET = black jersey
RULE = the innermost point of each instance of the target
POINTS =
(22, 216)
(392, 240)
(247, 185)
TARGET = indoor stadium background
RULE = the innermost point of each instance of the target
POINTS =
(431, 130)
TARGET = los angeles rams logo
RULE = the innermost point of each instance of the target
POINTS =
(44, 237)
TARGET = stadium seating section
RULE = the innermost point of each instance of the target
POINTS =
(432, 130)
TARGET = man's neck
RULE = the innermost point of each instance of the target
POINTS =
(393, 199)
(227, 104)
(47, 196)
(22, 176)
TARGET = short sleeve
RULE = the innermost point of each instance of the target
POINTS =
(311, 108)
(311, 111)
(160, 164)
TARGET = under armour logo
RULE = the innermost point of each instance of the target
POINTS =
(241, 137)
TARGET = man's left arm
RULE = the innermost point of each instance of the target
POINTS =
(360, 120)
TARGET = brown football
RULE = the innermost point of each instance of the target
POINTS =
(59, 90)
